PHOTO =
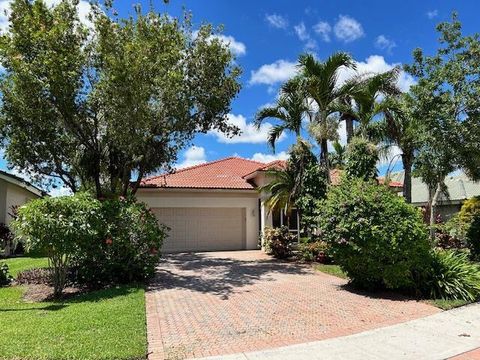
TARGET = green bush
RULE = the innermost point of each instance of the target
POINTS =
(361, 159)
(453, 276)
(278, 242)
(56, 227)
(466, 226)
(316, 250)
(127, 249)
(377, 239)
(95, 242)
(5, 278)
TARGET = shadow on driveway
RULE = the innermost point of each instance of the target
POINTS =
(218, 275)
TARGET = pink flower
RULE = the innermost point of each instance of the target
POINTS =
(109, 241)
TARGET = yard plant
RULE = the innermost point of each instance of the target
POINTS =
(377, 239)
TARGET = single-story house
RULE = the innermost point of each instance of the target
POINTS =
(214, 206)
(14, 191)
(459, 186)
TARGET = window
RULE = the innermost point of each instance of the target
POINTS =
(279, 219)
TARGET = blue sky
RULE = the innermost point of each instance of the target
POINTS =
(268, 36)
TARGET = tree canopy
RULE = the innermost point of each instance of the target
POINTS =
(95, 106)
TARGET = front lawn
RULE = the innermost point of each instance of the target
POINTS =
(15, 265)
(332, 270)
(106, 324)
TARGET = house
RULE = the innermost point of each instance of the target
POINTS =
(459, 186)
(14, 191)
(214, 206)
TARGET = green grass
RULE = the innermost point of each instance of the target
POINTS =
(447, 304)
(106, 324)
(15, 265)
(332, 270)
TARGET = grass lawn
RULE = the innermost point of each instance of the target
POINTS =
(106, 324)
(332, 270)
(15, 265)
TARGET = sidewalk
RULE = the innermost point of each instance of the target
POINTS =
(436, 337)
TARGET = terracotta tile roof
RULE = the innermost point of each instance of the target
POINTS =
(221, 174)
(229, 173)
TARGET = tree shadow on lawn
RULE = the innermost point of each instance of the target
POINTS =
(217, 275)
(52, 307)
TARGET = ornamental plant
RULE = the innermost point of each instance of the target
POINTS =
(56, 227)
(5, 277)
(127, 248)
(377, 239)
(278, 242)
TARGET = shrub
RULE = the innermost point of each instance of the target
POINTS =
(466, 225)
(127, 249)
(377, 239)
(277, 242)
(361, 159)
(316, 250)
(56, 226)
(5, 278)
(453, 276)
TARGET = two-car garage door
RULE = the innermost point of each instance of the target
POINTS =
(203, 229)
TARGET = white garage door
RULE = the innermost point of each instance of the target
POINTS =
(203, 229)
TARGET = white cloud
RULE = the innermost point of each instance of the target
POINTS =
(237, 47)
(323, 29)
(391, 157)
(432, 14)
(348, 29)
(377, 64)
(304, 36)
(269, 74)
(266, 158)
(83, 8)
(194, 155)
(384, 43)
(276, 21)
(248, 132)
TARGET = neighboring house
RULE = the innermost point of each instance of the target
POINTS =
(213, 206)
(460, 188)
(14, 191)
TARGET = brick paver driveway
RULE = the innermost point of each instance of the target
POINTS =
(228, 302)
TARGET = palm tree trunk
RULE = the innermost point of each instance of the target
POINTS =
(407, 182)
(349, 127)
(324, 158)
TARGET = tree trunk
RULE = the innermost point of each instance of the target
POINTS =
(349, 127)
(324, 159)
(407, 182)
(433, 207)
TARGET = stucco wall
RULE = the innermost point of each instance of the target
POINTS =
(249, 201)
(15, 196)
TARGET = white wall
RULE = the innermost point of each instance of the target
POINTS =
(15, 196)
(221, 199)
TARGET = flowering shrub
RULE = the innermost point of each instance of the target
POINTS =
(127, 248)
(377, 239)
(278, 242)
(316, 250)
(93, 242)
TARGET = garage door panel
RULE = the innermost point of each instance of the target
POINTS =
(202, 229)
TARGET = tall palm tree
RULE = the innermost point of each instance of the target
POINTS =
(368, 100)
(290, 109)
(399, 127)
(320, 80)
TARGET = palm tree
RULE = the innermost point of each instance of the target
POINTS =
(368, 100)
(321, 83)
(337, 158)
(400, 128)
(290, 109)
(281, 193)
